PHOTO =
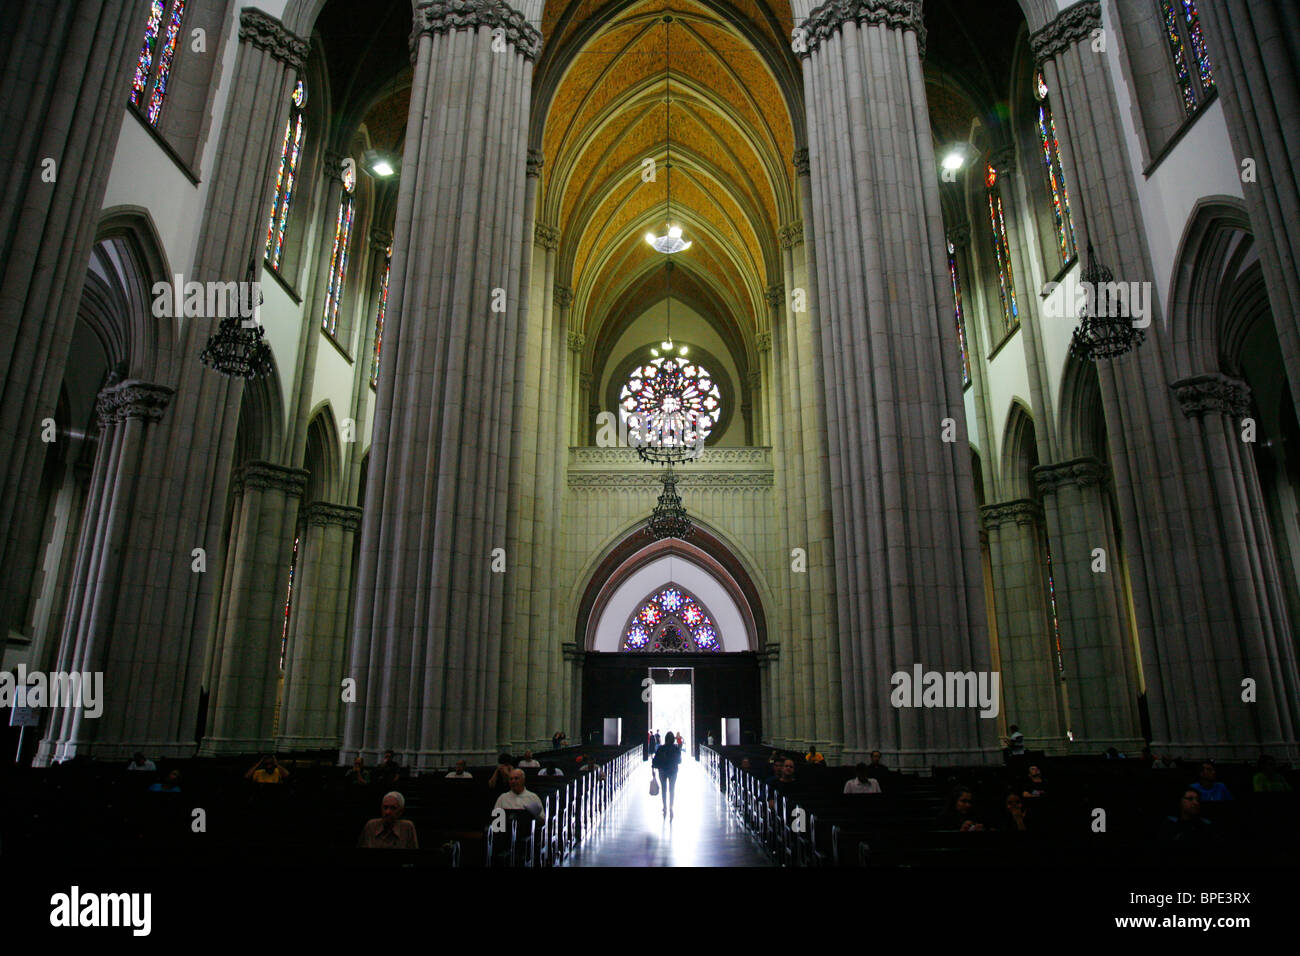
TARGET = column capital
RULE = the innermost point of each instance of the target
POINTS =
(1072, 25)
(322, 513)
(769, 654)
(332, 165)
(959, 235)
(791, 234)
(535, 162)
(755, 380)
(264, 475)
(800, 160)
(584, 380)
(1080, 472)
(775, 295)
(1021, 511)
(826, 20)
(267, 33)
(443, 16)
(1003, 159)
(577, 341)
(763, 341)
(546, 235)
(1214, 392)
(572, 652)
(562, 296)
(381, 240)
(132, 399)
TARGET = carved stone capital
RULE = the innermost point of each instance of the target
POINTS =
(1003, 159)
(132, 399)
(959, 235)
(1081, 472)
(577, 341)
(801, 165)
(265, 476)
(1213, 393)
(380, 240)
(775, 295)
(1021, 512)
(535, 163)
(763, 341)
(442, 16)
(826, 20)
(1072, 25)
(332, 166)
(755, 381)
(791, 234)
(322, 513)
(584, 381)
(546, 235)
(267, 33)
(562, 295)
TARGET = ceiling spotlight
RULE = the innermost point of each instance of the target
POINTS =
(682, 350)
(955, 159)
(667, 346)
(654, 352)
(670, 243)
(380, 164)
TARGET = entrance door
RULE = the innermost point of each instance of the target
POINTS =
(672, 703)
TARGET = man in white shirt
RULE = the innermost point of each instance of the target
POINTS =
(460, 773)
(528, 763)
(141, 762)
(519, 798)
(862, 783)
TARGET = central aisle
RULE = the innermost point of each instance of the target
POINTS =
(701, 833)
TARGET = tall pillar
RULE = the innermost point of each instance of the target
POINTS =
(63, 93)
(1031, 692)
(314, 658)
(909, 585)
(1257, 73)
(427, 635)
(250, 627)
(129, 413)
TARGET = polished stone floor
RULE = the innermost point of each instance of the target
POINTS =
(701, 833)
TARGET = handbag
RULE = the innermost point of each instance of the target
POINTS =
(654, 785)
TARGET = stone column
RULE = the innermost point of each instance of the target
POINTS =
(1091, 610)
(577, 345)
(246, 659)
(762, 379)
(1257, 73)
(310, 708)
(63, 91)
(909, 585)
(1031, 691)
(427, 635)
(128, 414)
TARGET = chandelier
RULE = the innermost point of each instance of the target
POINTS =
(672, 240)
(1102, 336)
(669, 519)
(238, 349)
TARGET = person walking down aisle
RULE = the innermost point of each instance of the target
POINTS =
(666, 762)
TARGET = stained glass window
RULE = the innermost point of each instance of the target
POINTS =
(1192, 65)
(379, 319)
(154, 65)
(285, 177)
(1051, 604)
(1001, 251)
(671, 621)
(288, 602)
(959, 315)
(675, 400)
(1057, 194)
(339, 256)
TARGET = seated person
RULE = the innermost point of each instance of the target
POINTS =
(171, 784)
(357, 773)
(1208, 787)
(745, 765)
(389, 773)
(389, 831)
(958, 812)
(529, 763)
(877, 770)
(1165, 762)
(518, 797)
(1267, 777)
(1034, 786)
(786, 782)
(812, 756)
(141, 762)
(267, 770)
(550, 770)
(1189, 827)
(1014, 818)
(863, 782)
(460, 773)
(500, 779)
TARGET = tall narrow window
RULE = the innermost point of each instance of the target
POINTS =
(379, 319)
(1187, 47)
(960, 315)
(1051, 608)
(1001, 252)
(1058, 195)
(153, 68)
(288, 603)
(285, 177)
(339, 257)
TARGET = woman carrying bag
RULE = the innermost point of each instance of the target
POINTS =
(666, 761)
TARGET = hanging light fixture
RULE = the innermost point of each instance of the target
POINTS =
(1102, 336)
(669, 519)
(238, 349)
(671, 241)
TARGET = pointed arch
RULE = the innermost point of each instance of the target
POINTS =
(323, 458)
(1019, 452)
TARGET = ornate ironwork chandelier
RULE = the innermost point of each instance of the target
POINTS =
(1102, 336)
(669, 519)
(238, 348)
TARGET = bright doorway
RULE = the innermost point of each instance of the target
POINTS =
(672, 701)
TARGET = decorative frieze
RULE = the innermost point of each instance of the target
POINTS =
(1083, 472)
(1072, 25)
(265, 476)
(562, 296)
(267, 33)
(546, 235)
(1021, 512)
(535, 162)
(618, 455)
(132, 399)
(443, 16)
(791, 234)
(1213, 393)
(322, 513)
(826, 20)
(647, 482)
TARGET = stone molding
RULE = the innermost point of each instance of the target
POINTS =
(546, 235)
(332, 166)
(775, 295)
(132, 399)
(802, 166)
(1003, 159)
(1072, 25)
(267, 33)
(322, 513)
(959, 235)
(572, 652)
(1021, 511)
(265, 476)
(535, 163)
(1080, 472)
(735, 455)
(1214, 392)
(791, 234)
(562, 296)
(577, 341)
(645, 482)
(763, 341)
(442, 16)
(825, 20)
